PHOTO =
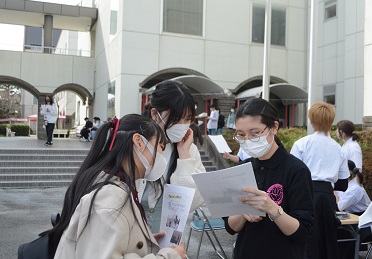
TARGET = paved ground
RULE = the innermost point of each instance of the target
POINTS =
(24, 213)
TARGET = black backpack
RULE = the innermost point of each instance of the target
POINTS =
(221, 121)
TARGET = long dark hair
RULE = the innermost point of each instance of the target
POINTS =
(50, 99)
(99, 159)
(259, 107)
(355, 172)
(175, 97)
(348, 128)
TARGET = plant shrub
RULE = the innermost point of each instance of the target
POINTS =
(20, 129)
(3, 129)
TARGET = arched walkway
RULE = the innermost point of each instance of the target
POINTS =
(19, 83)
(255, 82)
(81, 91)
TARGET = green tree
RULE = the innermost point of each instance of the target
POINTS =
(10, 101)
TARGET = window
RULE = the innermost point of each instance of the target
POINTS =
(329, 93)
(183, 16)
(111, 100)
(114, 7)
(278, 24)
(330, 9)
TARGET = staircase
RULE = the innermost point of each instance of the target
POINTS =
(208, 164)
(35, 168)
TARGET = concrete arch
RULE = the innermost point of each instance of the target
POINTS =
(168, 73)
(81, 91)
(20, 83)
(255, 82)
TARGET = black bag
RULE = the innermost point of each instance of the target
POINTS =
(37, 249)
(221, 121)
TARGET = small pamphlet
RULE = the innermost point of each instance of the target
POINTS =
(203, 114)
(176, 207)
(222, 190)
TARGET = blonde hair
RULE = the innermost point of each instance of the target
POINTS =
(321, 116)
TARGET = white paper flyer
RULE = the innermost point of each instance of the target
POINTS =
(176, 207)
(221, 190)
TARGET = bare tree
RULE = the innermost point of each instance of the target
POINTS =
(10, 101)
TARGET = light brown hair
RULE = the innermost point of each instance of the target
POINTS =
(321, 116)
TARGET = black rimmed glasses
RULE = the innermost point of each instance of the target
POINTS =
(254, 136)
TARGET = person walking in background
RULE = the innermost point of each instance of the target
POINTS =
(329, 171)
(49, 110)
(231, 118)
(96, 124)
(101, 215)
(346, 133)
(284, 191)
(84, 133)
(212, 120)
(172, 108)
(221, 122)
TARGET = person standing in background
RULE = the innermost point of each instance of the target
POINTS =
(329, 171)
(212, 120)
(346, 133)
(231, 118)
(49, 110)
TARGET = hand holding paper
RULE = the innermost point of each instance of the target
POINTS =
(222, 190)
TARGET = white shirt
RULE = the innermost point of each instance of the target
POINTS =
(354, 199)
(323, 156)
(213, 120)
(353, 152)
(242, 155)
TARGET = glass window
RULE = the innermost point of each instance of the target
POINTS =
(183, 16)
(278, 24)
(113, 22)
(329, 92)
(330, 10)
(111, 100)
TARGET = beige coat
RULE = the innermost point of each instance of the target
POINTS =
(115, 229)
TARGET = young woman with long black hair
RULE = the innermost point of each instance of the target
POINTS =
(172, 107)
(101, 216)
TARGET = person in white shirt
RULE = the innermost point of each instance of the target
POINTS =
(241, 156)
(355, 200)
(212, 120)
(96, 124)
(49, 110)
(346, 133)
(329, 171)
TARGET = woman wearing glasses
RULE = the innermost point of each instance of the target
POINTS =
(284, 190)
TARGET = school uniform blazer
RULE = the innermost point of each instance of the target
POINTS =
(115, 229)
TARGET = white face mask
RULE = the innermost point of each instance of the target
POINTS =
(177, 132)
(257, 149)
(155, 171)
(232, 110)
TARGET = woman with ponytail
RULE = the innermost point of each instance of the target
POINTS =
(351, 149)
(101, 216)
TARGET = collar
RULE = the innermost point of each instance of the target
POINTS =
(274, 161)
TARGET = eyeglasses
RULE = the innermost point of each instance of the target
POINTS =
(254, 136)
